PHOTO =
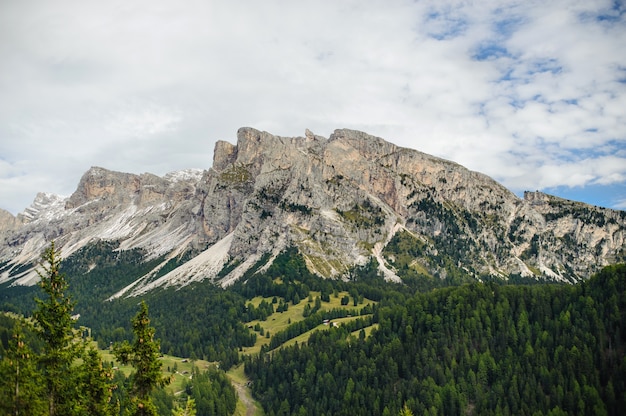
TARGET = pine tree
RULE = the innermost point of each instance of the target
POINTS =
(21, 389)
(96, 387)
(143, 355)
(188, 410)
(405, 411)
(54, 326)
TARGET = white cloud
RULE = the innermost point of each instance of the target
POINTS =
(620, 204)
(141, 120)
(531, 93)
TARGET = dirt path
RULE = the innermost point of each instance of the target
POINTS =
(247, 405)
(245, 397)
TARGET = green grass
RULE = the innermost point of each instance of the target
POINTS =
(279, 321)
(183, 368)
(368, 330)
(324, 327)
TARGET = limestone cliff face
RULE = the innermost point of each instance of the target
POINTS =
(339, 200)
(8, 221)
(343, 199)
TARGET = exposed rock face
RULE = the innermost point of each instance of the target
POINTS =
(340, 200)
(8, 221)
(138, 210)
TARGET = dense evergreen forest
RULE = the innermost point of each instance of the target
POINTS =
(423, 346)
(475, 349)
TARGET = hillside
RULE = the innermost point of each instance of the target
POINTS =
(476, 349)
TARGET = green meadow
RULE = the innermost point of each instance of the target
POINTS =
(279, 321)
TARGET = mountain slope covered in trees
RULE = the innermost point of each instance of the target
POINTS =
(475, 349)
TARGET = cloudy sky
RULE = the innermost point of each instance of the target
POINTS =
(532, 93)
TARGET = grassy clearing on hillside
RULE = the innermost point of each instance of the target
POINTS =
(279, 321)
(322, 327)
(178, 368)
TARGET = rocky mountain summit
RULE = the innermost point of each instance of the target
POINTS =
(340, 201)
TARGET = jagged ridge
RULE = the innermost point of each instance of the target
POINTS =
(339, 200)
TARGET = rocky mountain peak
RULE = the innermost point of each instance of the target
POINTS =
(224, 154)
(340, 201)
(8, 221)
(98, 184)
(44, 205)
(368, 146)
(99, 188)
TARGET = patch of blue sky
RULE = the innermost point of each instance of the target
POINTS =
(505, 27)
(609, 147)
(578, 153)
(495, 48)
(507, 74)
(519, 72)
(609, 15)
(621, 77)
(444, 26)
(538, 98)
(550, 65)
(490, 50)
(517, 103)
(608, 196)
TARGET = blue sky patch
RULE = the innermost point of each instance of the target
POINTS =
(545, 65)
(487, 51)
(506, 27)
(443, 26)
(608, 16)
(609, 196)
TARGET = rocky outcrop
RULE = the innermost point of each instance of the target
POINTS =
(8, 221)
(339, 200)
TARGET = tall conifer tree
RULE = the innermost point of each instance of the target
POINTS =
(96, 386)
(54, 326)
(143, 355)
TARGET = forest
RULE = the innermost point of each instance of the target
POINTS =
(426, 346)
(474, 349)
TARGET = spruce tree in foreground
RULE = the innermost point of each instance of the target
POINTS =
(70, 388)
(61, 349)
(143, 355)
(188, 410)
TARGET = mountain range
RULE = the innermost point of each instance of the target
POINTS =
(341, 201)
